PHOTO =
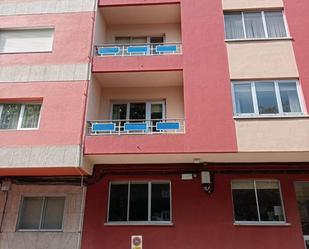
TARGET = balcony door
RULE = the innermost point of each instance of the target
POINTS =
(150, 112)
(302, 195)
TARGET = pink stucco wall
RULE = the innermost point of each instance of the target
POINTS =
(298, 22)
(72, 38)
(61, 114)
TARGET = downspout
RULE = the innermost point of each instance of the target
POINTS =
(84, 130)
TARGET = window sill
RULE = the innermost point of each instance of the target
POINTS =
(14, 130)
(272, 117)
(40, 230)
(132, 223)
(25, 52)
(259, 39)
(261, 224)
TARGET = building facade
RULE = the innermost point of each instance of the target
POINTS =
(150, 123)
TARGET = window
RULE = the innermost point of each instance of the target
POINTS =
(26, 40)
(19, 116)
(266, 98)
(254, 25)
(41, 213)
(152, 112)
(139, 202)
(257, 201)
(138, 39)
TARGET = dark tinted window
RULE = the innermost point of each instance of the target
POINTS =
(138, 202)
(118, 202)
(160, 202)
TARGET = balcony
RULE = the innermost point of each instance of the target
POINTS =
(134, 106)
(138, 38)
(138, 49)
(134, 127)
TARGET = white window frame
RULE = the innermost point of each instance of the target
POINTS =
(264, 26)
(30, 28)
(21, 115)
(149, 221)
(257, 203)
(278, 98)
(41, 214)
(148, 108)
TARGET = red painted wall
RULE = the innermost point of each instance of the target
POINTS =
(207, 91)
(298, 22)
(61, 114)
(72, 38)
(201, 221)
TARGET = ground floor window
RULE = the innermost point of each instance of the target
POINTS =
(257, 201)
(139, 202)
(302, 195)
(41, 213)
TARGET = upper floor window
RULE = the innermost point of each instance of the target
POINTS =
(41, 213)
(138, 39)
(139, 202)
(19, 116)
(26, 40)
(267, 98)
(254, 25)
(257, 201)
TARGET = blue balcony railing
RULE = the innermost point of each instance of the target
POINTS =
(121, 127)
(140, 49)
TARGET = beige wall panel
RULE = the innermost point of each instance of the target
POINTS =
(261, 60)
(250, 4)
(68, 239)
(172, 95)
(273, 135)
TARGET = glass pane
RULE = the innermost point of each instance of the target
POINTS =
(30, 213)
(243, 98)
(138, 111)
(245, 207)
(289, 97)
(233, 26)
(139, 40)
(31, 116)
(156, 111)
(118, 202)
(138, 202)
(269, 201)
(266, 98)
(254, 25)
(53, 213)
(119, 111)
(9, 116)
(122, 40)
(160, 202)
(302, 195)
(275, 24)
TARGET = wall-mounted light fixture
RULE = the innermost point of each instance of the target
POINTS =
(207, 180)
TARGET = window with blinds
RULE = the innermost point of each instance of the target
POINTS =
(26, 40)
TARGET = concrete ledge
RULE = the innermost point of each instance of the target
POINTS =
(32, 73)
(45, 7)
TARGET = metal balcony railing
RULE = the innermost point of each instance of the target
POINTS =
(121, 127)
(138, 49)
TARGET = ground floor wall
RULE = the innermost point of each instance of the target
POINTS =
(67, 238)
(199, 220)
